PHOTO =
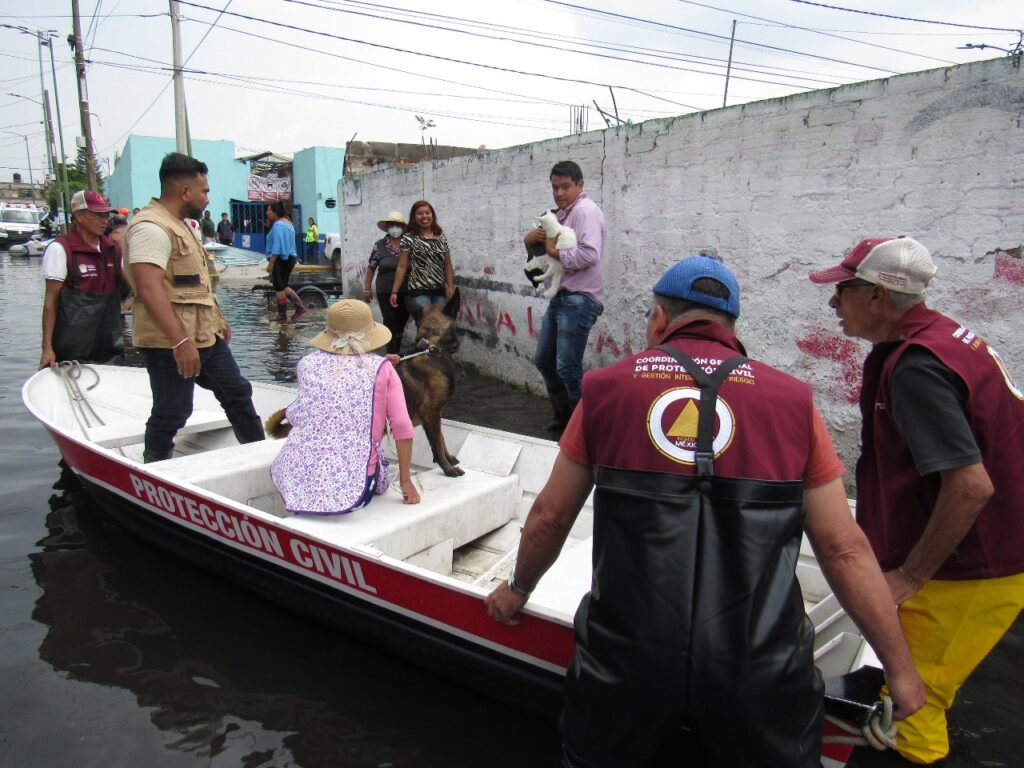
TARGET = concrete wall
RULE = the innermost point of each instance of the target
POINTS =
(775, 188)
(315, 175)
(136, 173)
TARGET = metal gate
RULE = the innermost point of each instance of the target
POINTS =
(249, 220)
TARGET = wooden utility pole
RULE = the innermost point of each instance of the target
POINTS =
(83, 100)
(181, 137)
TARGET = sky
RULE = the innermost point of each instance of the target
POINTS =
(282, 75)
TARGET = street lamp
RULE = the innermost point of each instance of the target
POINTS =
(981, 46)
(28, 156)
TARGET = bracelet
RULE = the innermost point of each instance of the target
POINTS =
(516, 589)
(187, 338)
(913, 581)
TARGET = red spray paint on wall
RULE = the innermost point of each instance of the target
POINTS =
(843, 351)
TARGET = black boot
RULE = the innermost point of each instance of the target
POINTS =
(561, 408)
(249, 431)
(149, 456)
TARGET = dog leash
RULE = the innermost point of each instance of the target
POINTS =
(431, 350)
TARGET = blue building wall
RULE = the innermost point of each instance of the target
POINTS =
(315, 175)
(135, 178)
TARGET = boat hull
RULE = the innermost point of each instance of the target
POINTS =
(445, 637)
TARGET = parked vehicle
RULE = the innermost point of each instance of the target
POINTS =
(20, 221)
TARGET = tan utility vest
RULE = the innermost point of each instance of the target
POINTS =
(186, 281)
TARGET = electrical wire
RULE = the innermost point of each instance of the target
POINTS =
(815, 31)
(437, 57)
(906, 18)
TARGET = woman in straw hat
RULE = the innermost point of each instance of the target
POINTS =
(384, 261)
(332, 462)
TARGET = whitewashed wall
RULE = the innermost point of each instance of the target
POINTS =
(775, 188)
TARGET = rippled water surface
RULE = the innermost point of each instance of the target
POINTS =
(115, 654)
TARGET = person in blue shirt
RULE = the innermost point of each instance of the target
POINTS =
(281, 258)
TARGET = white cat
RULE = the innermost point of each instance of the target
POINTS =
(552, 268)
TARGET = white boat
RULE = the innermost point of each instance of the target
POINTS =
(409, 577)
(34, 246)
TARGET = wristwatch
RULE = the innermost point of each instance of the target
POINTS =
(516, 589)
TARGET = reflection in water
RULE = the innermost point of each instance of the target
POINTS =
(280, 691)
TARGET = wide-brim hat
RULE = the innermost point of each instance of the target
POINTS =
(900, 264)
(351, 330)
(392, 218)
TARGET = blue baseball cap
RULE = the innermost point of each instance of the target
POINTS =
(678, 282)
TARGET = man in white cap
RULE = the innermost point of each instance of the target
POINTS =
(706, 468)
(82, 303)
(939, 478)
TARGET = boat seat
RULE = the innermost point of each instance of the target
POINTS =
(453, 511)
(133, 432)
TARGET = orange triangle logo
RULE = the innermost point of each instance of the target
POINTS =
(685, 425)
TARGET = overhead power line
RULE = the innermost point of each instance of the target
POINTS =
(825, 33)
(663, 25)
(437, 57)
(905, 18)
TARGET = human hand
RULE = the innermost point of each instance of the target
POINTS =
(368, 297)
(549, 245)
(410, 494)
(187, 358)
(48, 359)
(503, 605)
(449, 290)
(227, 332)
(907, 692)
(270, 267)
(393, 359)
(394, 300)
(535, 235)
(899, 586)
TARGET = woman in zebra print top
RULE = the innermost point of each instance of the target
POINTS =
(428, 260)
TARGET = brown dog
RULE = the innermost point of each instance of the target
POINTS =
(428, 380)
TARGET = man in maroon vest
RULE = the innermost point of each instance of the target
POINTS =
(707, 467)
(939, 480)
(82, 303)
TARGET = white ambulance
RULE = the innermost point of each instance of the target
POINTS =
(19, 222)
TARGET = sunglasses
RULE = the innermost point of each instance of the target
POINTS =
(840, 287)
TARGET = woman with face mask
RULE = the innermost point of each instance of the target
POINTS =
(384, 261)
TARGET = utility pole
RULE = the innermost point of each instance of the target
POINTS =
(51, 154)
(181, 135)
(83, 99)
(65, 188)
(728, 67)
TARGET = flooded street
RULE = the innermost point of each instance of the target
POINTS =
(117, 654)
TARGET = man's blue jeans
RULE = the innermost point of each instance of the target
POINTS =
(563, 340)
(172, 393)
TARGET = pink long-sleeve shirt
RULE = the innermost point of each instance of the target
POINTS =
(583, 263)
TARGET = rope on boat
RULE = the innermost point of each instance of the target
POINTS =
(70, 372)
(878, 732)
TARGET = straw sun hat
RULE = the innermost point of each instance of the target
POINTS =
(351, 330)
(392, 218)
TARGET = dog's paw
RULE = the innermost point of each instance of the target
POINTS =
(454, 472)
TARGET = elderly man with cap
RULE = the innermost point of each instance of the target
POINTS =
(82, 303)
(939, 478)
(707, 467)
(384, 258)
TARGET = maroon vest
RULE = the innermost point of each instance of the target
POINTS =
(90, 270)
(894, 502)
(641, 413)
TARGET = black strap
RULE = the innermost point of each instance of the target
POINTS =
(709, 386)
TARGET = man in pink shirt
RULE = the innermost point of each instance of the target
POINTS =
(575, 308)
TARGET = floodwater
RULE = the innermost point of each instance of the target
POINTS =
(116, 654)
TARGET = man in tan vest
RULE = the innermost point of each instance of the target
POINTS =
(177, 323)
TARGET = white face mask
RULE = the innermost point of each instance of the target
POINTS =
(395, 231)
